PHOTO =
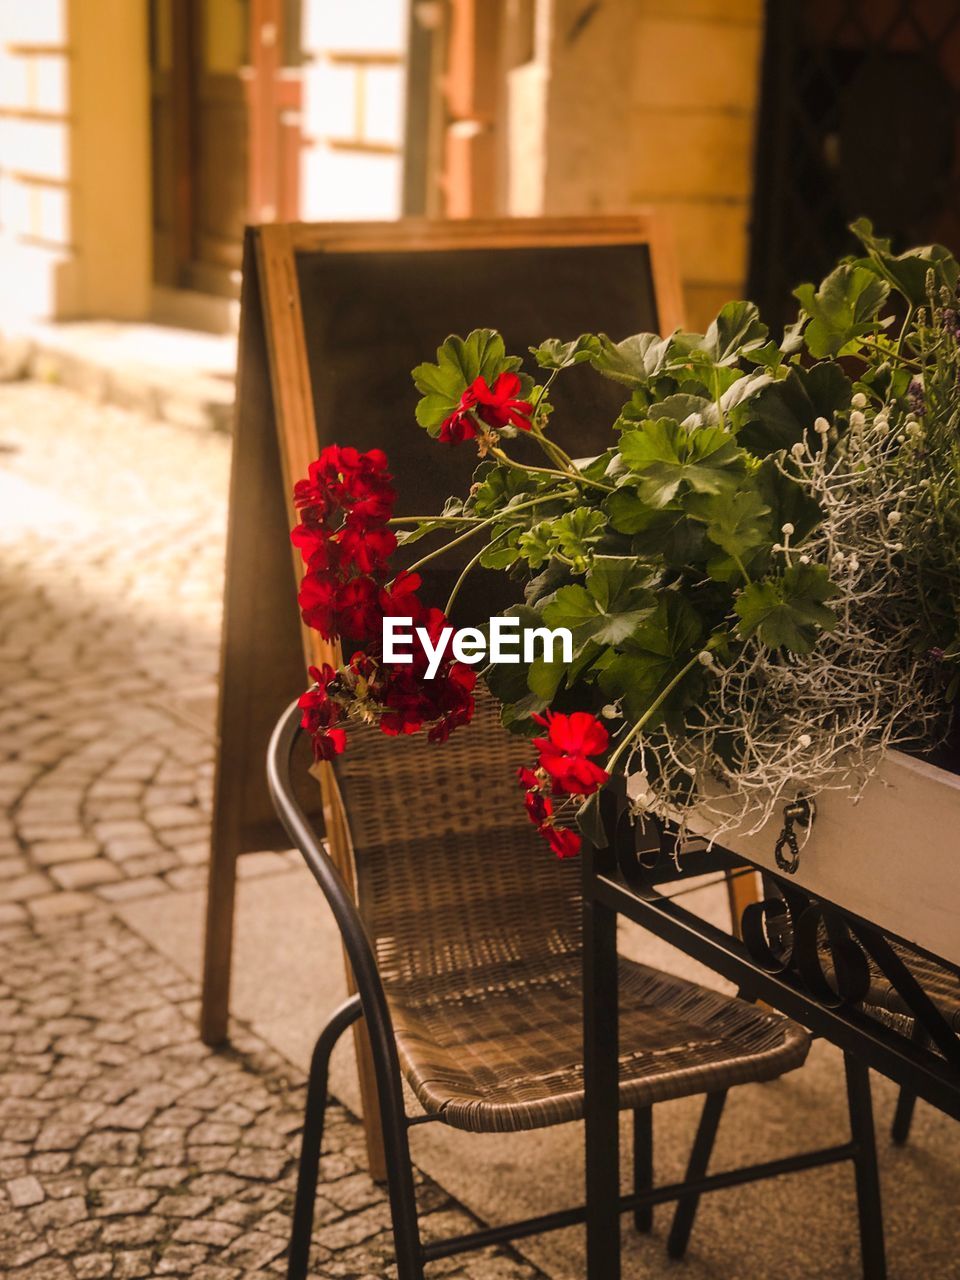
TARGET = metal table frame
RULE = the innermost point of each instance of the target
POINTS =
(779, 960)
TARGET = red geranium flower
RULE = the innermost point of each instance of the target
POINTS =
(495, 406)
(329, 743)
(564, 753)
(564, 842)
(369, 549)
(358, 614)
(399, 599)
(317, 546)
(320, 711)
(454, 700)
(318, 602)
(539, 808)
(459, 426)
(370, 504)
(498, 405)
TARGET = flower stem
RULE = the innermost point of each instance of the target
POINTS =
(650, 711)
(433, 519)
(471, 564)
(573, 474)
(485, 523)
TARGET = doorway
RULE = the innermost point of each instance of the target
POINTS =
(225, 105)
(860, 116)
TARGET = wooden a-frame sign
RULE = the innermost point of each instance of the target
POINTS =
(333, 316)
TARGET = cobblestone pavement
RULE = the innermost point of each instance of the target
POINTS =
(127, 1149)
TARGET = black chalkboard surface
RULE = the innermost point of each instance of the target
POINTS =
(333, 318)
(370, 317)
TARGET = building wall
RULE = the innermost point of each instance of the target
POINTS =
(644, 102)
(74, 156)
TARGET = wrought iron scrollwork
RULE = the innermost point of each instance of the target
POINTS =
(840, 962)
(794, 933)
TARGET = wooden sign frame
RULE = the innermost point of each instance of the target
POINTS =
(264, 649)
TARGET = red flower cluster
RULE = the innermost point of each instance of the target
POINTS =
(563, 764)
(345, 504)
(495, 407)
(321, 713)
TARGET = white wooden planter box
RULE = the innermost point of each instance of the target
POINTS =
(893, 856)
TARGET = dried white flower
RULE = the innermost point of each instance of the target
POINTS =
(610, 712)
(821, 426)
(859, 400)
(894, 518)
(705, 658)
(804, 740)
(787, 529)
(798, 449)
(857, 419)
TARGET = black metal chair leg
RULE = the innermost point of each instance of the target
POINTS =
(314, 1115)
(643, 1163)
(869, 1205)
(907, 1101)
(686, 1209)
(903, 1116)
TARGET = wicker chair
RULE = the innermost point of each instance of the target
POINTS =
(466, 952)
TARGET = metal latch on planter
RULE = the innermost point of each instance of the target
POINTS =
(799, 813)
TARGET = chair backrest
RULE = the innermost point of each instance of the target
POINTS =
(452, 878)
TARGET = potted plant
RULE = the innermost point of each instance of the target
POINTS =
(760, 578)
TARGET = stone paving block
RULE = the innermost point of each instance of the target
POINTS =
(85, 874)
(24, 1192)
(129, 890)
(57, 851)
(54, 905)
(22, 887)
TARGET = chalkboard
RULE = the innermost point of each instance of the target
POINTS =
(371, 317)
(333, 318)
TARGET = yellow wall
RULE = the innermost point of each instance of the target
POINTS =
(74, 158)
(648, 102)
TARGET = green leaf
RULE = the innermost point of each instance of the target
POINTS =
(656, 653)
(736, 522)
(770, 356)
(607, 610)
(613, 578)
(503, 549)
(460, 361)
(736, 330)
(682, 406)
(781, 412)
(634, 361)
(554, 354)
(538, 544)
(789, 612)
(500, 487)
(907, 272)
(666, 456)
(573, 535)
(842, 310)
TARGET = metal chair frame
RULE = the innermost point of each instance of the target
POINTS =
(370, 1003)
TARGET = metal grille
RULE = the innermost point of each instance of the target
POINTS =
(860, 115)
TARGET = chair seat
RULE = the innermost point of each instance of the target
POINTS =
(502, 1051)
